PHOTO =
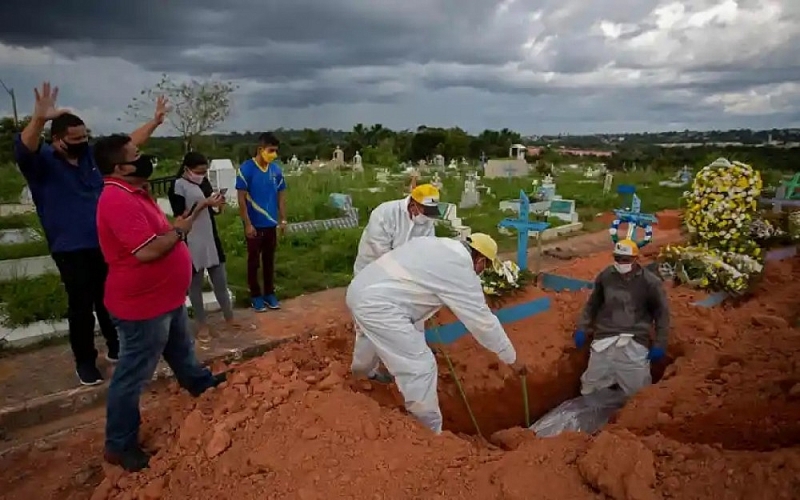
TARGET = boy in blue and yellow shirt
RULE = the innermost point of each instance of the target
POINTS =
(261, 191)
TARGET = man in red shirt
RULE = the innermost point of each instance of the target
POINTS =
(149, 270)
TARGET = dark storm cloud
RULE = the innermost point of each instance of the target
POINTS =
(263, 39)
(308, 53)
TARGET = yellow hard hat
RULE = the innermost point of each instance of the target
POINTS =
(427, 195)
(627, 248)
(483, 244)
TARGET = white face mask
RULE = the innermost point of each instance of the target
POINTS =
(196, 178)
(419, 219)
(623, 268)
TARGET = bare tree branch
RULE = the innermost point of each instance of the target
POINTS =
(197, 106)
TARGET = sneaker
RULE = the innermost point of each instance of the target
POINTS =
(216, 380)
(88, 374)
(272, 301)
(258, 304)
(132, 460)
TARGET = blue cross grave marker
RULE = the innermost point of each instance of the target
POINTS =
(523, 226)
(634, 217)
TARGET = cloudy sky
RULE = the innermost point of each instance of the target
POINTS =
(536, 66)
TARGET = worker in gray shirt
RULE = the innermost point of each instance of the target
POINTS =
(625, 303)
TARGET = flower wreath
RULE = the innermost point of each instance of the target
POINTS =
(614, 232)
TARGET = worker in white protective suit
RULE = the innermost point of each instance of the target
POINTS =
(393, 223)
(390, 225)
(627, 301)
(408, 285)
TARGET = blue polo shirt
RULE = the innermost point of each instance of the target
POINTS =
(262, 187)
(65, 195)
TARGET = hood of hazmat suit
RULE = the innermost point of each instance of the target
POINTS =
(390, 225)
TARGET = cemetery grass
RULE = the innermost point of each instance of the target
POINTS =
(12, 184)
(311, 262)
(28, 300)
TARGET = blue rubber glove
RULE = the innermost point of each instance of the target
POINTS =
(580, 339)
(656, 354)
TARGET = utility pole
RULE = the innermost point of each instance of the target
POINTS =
(13, 103)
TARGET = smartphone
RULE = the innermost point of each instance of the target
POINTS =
(223, 191)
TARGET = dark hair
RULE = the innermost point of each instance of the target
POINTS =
(60, 124)
(190, 160)
(108, 152)
(194, 159)
(268, 139)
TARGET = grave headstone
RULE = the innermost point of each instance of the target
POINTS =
(357, 166)
(338, 157)
(294, 162)
(437, 181)
(506, 168)
(452, 165)
(222, 175)
(563, 210)
(547, 191)
(339, 200)
(438, 160)
(685, 175)
(633, 217)
(470, 196)
(448, 216)
(609, 179)
(524, 226)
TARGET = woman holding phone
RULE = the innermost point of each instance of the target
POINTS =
(193, 191)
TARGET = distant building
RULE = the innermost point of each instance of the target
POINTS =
(584, 152)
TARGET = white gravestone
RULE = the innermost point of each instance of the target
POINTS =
(357, 163)
(453, 165)
(222, 175)
(470, 196)
(607, 183)
(437, 181)
(294, 162)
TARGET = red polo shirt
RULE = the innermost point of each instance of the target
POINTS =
(127, 220)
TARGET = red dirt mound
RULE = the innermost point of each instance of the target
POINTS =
(720, 424)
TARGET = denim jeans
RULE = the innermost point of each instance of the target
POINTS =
(142, 343)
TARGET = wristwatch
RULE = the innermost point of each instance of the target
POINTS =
(180, 232)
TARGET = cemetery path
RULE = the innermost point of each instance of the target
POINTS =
(39, 386)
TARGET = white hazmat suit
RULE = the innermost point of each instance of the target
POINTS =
(406, 286)
(390, 225)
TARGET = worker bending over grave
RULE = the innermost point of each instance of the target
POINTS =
(393, 223)
(627, 300)
(408, 285)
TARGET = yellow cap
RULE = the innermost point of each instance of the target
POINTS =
(427, 195)
(483, 244)
(627, 248)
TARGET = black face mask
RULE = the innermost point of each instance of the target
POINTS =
(144, 167)
(76, 150)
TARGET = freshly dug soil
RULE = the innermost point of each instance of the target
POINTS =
(721, 423)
